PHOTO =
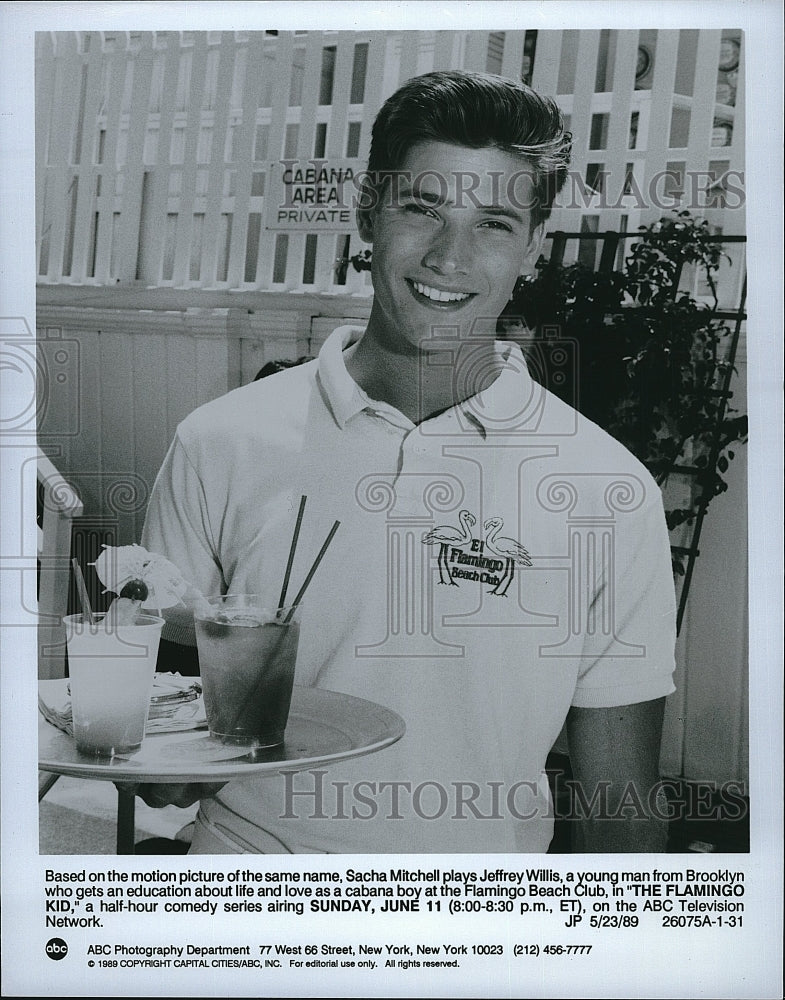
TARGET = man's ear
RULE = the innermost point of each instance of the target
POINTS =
(365, 224)
(534, 249)
(366, 210)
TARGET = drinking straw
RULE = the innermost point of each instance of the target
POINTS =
(292, 547)
(311, 572)
(81, 587)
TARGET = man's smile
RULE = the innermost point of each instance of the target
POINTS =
(437, 296)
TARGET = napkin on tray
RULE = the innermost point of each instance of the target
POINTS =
(176, 703)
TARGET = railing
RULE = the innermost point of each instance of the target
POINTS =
(58, 505)
(730, 281)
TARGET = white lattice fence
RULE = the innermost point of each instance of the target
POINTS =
(154, 148)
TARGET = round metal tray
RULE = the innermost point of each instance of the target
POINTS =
(323, 726)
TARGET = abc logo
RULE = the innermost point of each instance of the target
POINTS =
(56, 949)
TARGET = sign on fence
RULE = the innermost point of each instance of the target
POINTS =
(315, 196)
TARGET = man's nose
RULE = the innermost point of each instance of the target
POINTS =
(449, 252)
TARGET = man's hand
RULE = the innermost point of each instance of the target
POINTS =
(158, 796)
(614, 754)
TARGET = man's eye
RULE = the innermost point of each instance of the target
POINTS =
(416, 208)
(497, 225)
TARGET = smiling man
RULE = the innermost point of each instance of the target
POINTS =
(426, 437)
(445, 256)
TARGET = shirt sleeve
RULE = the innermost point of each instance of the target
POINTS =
(629, 646)
(177, 526)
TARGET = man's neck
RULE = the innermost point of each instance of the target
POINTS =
(422, 384)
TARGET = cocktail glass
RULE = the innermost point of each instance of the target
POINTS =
(247, 655)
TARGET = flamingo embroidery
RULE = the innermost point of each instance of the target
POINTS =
(445, 535)
(508, 549)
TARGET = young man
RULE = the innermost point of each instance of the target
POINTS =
(502, 565)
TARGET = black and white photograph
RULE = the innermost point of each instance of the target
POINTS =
(392, 487)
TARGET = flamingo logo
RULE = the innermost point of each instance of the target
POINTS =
(491, 560)
(446, 536)
(513, 553)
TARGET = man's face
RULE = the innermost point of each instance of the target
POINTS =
(450, 239)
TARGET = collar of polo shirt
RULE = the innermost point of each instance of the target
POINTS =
(505, 401)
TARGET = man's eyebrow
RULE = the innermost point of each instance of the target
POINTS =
(432, 198)
(410, 191)
(501, 210)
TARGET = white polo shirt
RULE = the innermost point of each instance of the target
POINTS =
(494, 566)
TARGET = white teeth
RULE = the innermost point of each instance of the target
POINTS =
(439, 296)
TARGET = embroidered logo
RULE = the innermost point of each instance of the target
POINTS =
(492, 559)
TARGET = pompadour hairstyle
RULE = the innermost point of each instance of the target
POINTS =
(476, 110)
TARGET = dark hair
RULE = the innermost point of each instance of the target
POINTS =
(273, 367)
(476, 110)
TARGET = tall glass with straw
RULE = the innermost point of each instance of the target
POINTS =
(247, 658)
